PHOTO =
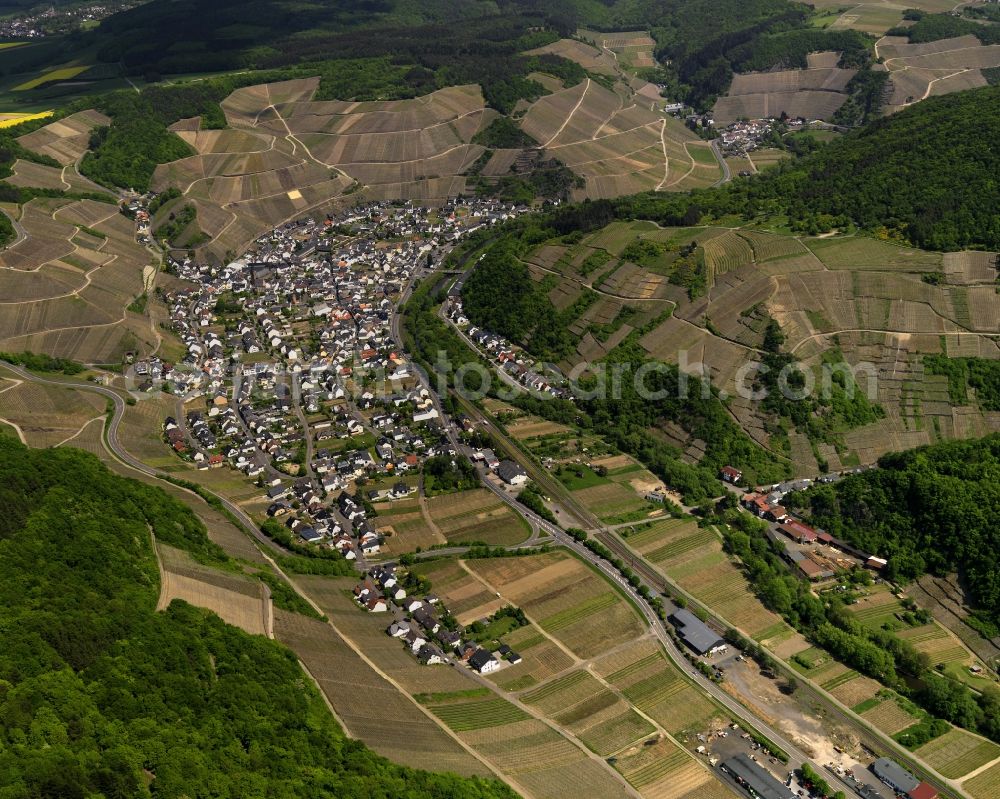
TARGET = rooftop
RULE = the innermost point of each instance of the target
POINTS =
(758, 779)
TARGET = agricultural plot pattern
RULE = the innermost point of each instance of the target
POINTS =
(613, 140)
(919, 71)
(875, 16)
(67, 139)
(958, 753)
(284, 155)
(567, 599)
(887, 305)
(477, 515)
(813, 93)
(614, 699)
(65, 284)
(632, 49)
(45, 416)
(388, 720)
(694, 559)
(553, 718)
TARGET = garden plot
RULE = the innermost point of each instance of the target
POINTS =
(541, 658)
(858, 253)
(543, 762)
(727, 252)
(814, 93)
(810, 105)
(406, 530)
(641, 671)
(918, 71)
(889, 716)
(985, 785)
(590, 711)
(532, 427)
(28, 173)
(591, 58)
(465, 596)
(627, 43)
(939, 644)
(854, 690)
(65, 289)
(610, 500)
(47, 415)
(770, 246)
(708, 575)
(617, 148)
(665, 771)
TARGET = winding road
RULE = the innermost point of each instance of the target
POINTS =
(122, 455)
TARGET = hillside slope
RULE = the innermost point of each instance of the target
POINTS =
(927, 173)
(103, 696)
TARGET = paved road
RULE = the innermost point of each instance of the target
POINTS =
(727, 174)
(119, 451)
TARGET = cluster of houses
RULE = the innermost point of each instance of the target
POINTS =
(513, 474)
(49, 20)
(512, 360)
(342, 525)
(291, 364)
(417, 623)
(745, 135)
(807, 557)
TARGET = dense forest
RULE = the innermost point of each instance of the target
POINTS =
(500, 296)
(980, 374)
(102, 696)
(933, 27)
(937, 192)
(400, 47)
(932, 509)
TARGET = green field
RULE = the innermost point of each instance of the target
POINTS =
(576, 477)
(478, 714)
(565, 618)
(957, 753)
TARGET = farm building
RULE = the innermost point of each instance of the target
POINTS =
(512, 474)
(757, 780)
(797, 531)
(894, 775)
(694, 632)
(810, 567)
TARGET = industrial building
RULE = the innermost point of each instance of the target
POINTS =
(756, 780)
(694, 632)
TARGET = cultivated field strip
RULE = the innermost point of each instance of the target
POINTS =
(66, 288)
(552, 589)
(285, 155)
(67, 139)
(370, 707)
